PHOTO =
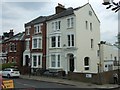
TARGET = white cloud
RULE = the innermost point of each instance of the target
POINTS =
(15, 14)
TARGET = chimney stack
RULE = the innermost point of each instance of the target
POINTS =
(11, 33)
(59, 8)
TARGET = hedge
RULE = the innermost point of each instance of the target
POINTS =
(7, 65)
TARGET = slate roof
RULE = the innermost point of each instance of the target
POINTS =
(36, 21)
(67, 12)
(19, 36)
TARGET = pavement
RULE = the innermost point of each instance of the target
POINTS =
(77, 84)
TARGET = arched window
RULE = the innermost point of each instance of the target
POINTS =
(86, 63)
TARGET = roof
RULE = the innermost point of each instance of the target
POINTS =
(19, 36)
(66, 12)
(37, 20)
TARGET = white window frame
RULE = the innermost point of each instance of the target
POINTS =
(27, 30)
(70, 22)
(56, 25)
(38, 28)
(57, 60)
(87, 66)
(38, 43)
(27, 47)
(57, 41)
(71, 43)
(12, 47)
(37, 60)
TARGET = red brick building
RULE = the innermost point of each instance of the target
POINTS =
(35, 44)
(14, 47)
(3, 45)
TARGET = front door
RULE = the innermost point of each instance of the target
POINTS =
(26, 60)
(71, 62)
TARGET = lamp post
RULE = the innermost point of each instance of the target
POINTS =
(99, 64)
(119, 71)
(29, 67)
(111, 4)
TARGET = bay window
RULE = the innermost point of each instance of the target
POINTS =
(55, 60)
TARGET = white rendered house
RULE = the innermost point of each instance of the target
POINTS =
(72, 39)
(109, 57)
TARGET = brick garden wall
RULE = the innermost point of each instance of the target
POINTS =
(106, 77)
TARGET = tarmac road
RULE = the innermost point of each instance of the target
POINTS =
(25, 83)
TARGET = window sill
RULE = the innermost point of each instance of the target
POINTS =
(69, 27)
(55, 47)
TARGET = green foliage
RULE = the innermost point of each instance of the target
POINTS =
(7, 65)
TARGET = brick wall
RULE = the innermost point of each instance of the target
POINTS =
(102, 78)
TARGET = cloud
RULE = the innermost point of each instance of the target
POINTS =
(32, 6)
(15, 13)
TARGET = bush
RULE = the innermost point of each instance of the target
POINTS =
(8, 65)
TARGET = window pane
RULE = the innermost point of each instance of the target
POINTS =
(39, 44)
(68, 40)
(53, 60)
(27, 44)
(38, 29)
(58, 60)
(35, 43)
(53, 27)
(86, 68)
(86, 22)
(68, 23)
(72, 22)
(35, 30)
(59, 24)
(34, 60)
(72, 40)
(91, 43)
(86, 61)
(91, 26)
(56, 26)
(39, 60)
(58, 41)
(53, 41)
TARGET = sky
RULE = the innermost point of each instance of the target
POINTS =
(15, 13)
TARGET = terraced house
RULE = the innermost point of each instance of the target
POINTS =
(35, 44)
(12, 48)
(67, 40)
(73, 35)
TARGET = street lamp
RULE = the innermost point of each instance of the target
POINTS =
(119, 72)
(111, 4)
(99, 64)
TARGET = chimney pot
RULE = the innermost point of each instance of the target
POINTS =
(59, 8)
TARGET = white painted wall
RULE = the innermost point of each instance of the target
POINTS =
(108, 54)
(83, 37)
(82, 40)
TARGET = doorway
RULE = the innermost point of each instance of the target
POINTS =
(71, 62)
(26, 60)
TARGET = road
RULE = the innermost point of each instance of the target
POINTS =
(25, 83)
